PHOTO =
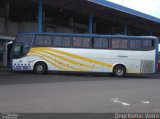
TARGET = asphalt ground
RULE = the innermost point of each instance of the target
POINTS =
(27, 92)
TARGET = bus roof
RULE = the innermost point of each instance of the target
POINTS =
(124, 9)
(87, 35)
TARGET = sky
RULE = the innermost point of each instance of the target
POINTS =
(151, 7)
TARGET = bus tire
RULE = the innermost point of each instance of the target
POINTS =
(119, 71)
(40, 68)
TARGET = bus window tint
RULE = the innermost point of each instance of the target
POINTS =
(39, 40)
(119, 43)
(148, 43)
(86, 42)
(135, 44)
(42, 40)
(17, 51)
(100, 43)
(62, 41)
(47, 40)
(57, 41)
(77, 42)
(66, 41)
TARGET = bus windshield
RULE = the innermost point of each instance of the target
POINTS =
(26, 41)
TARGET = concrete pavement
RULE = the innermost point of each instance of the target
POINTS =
(28, 92)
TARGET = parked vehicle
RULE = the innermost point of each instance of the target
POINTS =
(117, 54)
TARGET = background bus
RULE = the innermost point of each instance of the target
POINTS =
(115, 54)
(5, 49)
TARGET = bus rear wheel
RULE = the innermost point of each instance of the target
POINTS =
(119, 71)
(40, 68)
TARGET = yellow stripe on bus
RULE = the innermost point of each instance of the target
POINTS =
(67, 59)
(75, 56)
(60, 63)
(53, 64)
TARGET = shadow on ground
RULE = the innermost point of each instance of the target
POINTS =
(10, 77)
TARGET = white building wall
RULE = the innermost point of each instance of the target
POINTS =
(16, 27)
(13, 28)
(29, 27)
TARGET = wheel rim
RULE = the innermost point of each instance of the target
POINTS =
(119, 72)
(39, 68)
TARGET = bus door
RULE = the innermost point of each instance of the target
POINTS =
(6, 53)
(17, 51)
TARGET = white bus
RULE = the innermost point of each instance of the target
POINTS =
(117, 54)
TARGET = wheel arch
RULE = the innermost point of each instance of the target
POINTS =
(119, 64)
(40, 62)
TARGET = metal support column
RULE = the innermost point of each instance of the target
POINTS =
(126, 29)
(44, 28)
(40, 15)
(90, 25)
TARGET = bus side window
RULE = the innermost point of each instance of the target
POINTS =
(86, 42)
(41, 40)
(118, 43)
(100, 43)
(148, 44)
(57, 41)
(66, 41)
(135, 44)
(47, 40)
(38, 40)
(77, 42)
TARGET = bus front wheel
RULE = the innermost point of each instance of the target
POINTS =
(119, 70)
(40, 68)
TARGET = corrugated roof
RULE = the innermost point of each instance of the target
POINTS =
(125, 9)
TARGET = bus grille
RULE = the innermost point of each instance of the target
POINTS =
(147, 66)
